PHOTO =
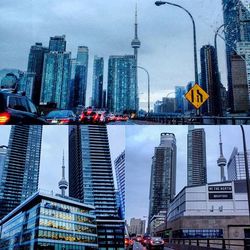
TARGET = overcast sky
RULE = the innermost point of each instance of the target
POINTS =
(54, 141)
(106, 27)
(140, 144)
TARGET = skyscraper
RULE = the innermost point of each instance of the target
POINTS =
(120, 177)
(122, 91)
(91, 180)
(56, 73)
(236, 165)
(179, 99)
(222, 162)
(3, 152)
(237, 29)
(81, 76)
(97, 88)
(210, 81)
(35, 65)
(136, 44)
(196, 156)
(163, 175)
(21, 169)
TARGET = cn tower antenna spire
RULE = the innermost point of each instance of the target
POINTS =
(221, 162)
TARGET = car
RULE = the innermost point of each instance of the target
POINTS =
(102, 117)
(156, 243)
(139, 238)
(128, 243)
(111, 118)
(145, 240)
(89, 117)
(16, 108)
(60, 117)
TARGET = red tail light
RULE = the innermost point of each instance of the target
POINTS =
(96, 117)
(4, 117)
(63, 121)
(151, 242)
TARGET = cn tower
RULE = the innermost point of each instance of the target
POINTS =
(221, 162)
(136, 44)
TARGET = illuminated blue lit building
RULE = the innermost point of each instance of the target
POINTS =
(56, 74)
(21, 168)
(97, 88)
(91, 181)
(120, 177)
(44, 221)
(122, 88)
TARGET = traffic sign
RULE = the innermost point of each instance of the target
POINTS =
(197, 96)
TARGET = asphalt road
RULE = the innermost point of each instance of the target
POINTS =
(138, 246)
(134, 122)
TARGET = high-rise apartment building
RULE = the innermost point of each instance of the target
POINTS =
(137, 226)
(196, 156)
(97, 88)
(210, 81)
(236, 165)
(237, 29)
(120, 177)
(122, 90)
(21, 169)
(91, 180)
(56, 73)
(35, 66)
(163, 175)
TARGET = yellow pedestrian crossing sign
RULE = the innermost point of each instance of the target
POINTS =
(197, 96)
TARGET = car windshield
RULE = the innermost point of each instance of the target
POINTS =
(59, 114)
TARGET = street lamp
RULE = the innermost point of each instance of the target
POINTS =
(148, 86)
(159, 3)
(246, 166)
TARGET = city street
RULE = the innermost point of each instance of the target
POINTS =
(134, 122)
(138, 246)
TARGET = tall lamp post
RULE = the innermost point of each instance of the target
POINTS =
(246, 166)
(148, 86)
(159, 3)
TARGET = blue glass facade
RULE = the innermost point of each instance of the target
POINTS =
(120, 177)
(57, 43)
(97, 88)
(237, 29)
(122, 89)
(179, 99)
(49, 222)
(21, 169)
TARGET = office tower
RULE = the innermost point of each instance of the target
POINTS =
(120, 177)
(239, 84)
(3, 152)
(97, 88)
(56, 74)
(188, 106)
(57, 43)
(21, 169)
(168, 105)
(63, 184)
(137, 226)
(35, 66)
(236, 165)
(27, 83)
(210, 81)
(122, 91)
(104, 98)
(237, 29)
(10, 80)
(81, 76)
(221, 162)
(91, 180)
(136, 44)
(157, 107)
(163, 175)
(72, 82)
(179, 99)
(196, 156)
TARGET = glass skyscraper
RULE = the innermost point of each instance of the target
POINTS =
(91, 181)
(237, 29)
(97, 88)
(163, 176)
(21, 169)
(196, 156)
(120, 177)
(56, 74)
(122, 90)
(3, 152)
(81, 76)
(210, 81)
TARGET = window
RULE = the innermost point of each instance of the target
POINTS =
(18, 103)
